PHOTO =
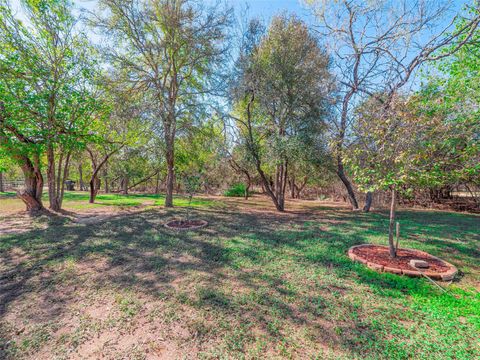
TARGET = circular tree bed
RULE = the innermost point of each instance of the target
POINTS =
(186, 224)
(408, 262)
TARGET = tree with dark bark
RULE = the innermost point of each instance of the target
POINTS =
(46, 93)
(26, 153)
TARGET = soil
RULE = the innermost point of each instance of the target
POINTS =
(186, 224)
(380, 255)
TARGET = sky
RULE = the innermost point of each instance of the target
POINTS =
(263, 9)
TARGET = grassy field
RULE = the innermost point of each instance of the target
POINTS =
(253, 284)
(77, 200)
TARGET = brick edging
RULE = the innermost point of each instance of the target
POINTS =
(444, 276)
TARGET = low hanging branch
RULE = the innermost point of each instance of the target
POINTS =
(236, 167)
(96, 168)
(252, 147)
(144, 179)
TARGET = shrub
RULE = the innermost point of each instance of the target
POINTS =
(236, 190)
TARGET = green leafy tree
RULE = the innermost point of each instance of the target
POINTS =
(452, 92)
(377, 47)
(282, 97)
(172, 52)
(46, 99)
(405, 146)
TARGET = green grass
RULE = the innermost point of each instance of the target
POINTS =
(78, 200)
(247, 286)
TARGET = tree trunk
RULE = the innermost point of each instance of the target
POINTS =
(157, 184)
(291, 183)
(125, 181)
(300, 189)
(95, 183)
(105, 174)
(2, 188)
(94, 180)
(347, 183)
(249, 183)
(391, 244)
(31, 195)
(368, 201)
(170, 178)
(80, 175)
(52, 179)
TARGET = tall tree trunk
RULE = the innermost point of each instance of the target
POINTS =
(94, 180)
(391, 244)
(291, 183)
(105, 174)
(249, 183)
(2, 188)
(157, 184)
(170, 157)
(281, 184)
(170, 176)
(94, 183)
(80, 175)
(347, 183)
(340, 144)
(31, 195)
(300, 189)
(66, 170)
(125, 185)
(368, 201)
(52, 179)
(267, 183)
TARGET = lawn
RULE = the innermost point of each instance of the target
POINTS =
(253, 284)
(77, 200)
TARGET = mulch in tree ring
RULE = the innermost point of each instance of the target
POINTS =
(377, 257)
(186, 224)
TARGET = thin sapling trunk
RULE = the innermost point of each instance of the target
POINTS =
(391, 244)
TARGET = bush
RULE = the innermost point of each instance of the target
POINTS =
(236, 190)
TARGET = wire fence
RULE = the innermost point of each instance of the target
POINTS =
(9, 185)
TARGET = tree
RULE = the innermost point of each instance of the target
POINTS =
(377, 47)
(45, 94)
(282, 97)
(240, 161)
(121, 125)
(172, 51)
(405, 148)
(452, 92)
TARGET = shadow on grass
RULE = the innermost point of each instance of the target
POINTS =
(236, 248)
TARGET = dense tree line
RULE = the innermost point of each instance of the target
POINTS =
(367, 93)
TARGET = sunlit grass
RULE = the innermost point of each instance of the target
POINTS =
(77, 200)
(250, 285)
